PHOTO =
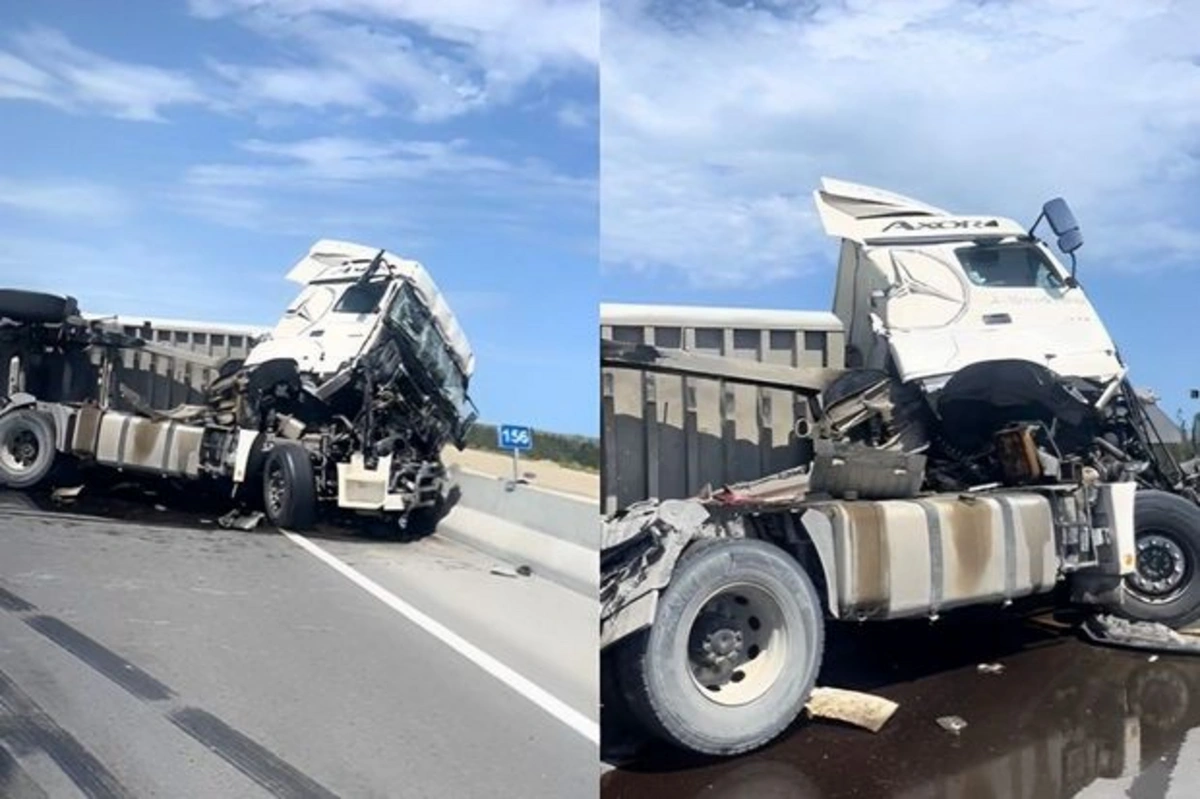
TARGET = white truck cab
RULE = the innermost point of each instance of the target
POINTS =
(942, 291)
(348, 289)
(346, 404)
(982, 447)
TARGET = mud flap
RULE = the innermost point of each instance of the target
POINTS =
(1152, 636)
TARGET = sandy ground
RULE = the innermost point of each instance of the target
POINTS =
(546, 474)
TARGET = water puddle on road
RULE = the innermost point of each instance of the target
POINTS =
(1063, 719)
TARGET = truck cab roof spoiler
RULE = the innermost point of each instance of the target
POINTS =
(872, 216)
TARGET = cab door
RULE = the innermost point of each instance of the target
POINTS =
(1021, 306)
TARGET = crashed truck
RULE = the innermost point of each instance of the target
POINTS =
(342, 409)
(983, 446)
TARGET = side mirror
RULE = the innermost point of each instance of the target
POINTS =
(1062, 222)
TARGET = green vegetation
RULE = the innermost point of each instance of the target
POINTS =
(573, 452)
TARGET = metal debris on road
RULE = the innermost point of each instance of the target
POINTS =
(241, 521)
(1109, 629)
(249, 521)
(990, 668)
(853, 707)
(953, 724)
(506, 571)
(66, 493)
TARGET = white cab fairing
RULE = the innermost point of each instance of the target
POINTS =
(938, 292)
(334, 317)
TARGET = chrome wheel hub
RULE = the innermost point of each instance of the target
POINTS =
(1161, 568)
(276, 489)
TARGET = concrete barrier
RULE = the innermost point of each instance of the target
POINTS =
(566, 516)
(557, 535)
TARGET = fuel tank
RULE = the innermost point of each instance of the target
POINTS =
(897, 558)
(126, 441)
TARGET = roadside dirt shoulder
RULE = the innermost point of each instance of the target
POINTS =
(545, 474)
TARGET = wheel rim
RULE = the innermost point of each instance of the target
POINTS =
(276, 489)
(1163, 568)
(20, 449)
(737, 645)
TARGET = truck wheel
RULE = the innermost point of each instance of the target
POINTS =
(1166, 586)
(289, 489)
(34, 307)
(733, 652)
(411, 526)
(421, 522)
(26, 448)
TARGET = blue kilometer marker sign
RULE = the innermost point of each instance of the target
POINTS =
(514, 437)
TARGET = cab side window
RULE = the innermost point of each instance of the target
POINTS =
(1008, 266)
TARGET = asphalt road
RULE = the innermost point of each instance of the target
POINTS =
(1063, 720)
(183, 660)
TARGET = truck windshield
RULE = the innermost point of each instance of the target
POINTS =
(412, 318)
(361, 298)
(1018, 265)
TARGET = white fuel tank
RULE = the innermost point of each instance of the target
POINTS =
(136, 442)
(911, 557)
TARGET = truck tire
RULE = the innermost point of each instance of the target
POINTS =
(733, 653)
(289, 489)
(1166, 586)
(34, 307)
(421, 522)
(27, 449)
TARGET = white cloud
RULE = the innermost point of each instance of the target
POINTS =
(322, 162)
(44, 66)
(118, 275)
(718, 120)
(297, 86)
(23, 81)
(77, 201)
(430, 60)
(551, 30)
(576, 115)
(393, 184)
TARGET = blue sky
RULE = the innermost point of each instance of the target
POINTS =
(175, 158)
(719, 118)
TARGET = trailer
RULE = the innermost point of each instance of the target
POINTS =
(342, 409)
(981, 446)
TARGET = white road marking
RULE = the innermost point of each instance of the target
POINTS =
(526, 688)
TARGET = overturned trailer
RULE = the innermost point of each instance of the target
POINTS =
(345, 405)
(982, 445)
